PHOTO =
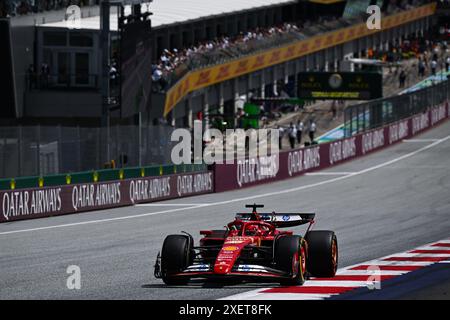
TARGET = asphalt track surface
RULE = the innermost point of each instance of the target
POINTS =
(392, 200)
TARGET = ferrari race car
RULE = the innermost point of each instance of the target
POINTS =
(251, 248)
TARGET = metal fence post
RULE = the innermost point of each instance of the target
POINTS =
(357, 119)
(79, 147)
(60, 165)
(140, 139)
(351, 122)
(19, 150)
(118, 147)
(108, 132)
(98, 148)
(3, 155)
(38, 145)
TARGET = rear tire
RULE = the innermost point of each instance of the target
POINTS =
(322, 253)
(290, 256)
(176, 256)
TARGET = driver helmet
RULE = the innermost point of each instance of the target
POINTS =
(251, 230)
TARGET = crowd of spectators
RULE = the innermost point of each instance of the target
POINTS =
(175, 63)
(431, 56)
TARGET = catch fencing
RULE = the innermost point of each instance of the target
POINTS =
(381, 112)
(46, 150)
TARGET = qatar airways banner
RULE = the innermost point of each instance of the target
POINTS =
(249, 172)
(52, 201)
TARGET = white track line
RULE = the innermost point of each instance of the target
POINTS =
(419, 255)
(420, 140)
(168, 204)
(293, 296)
(443, 241)
(333, 283)
(392, 263)
(432, 248)
(328, 173)
(265, 195)
(370, 272)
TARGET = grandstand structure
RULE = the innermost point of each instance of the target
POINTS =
(212, 82)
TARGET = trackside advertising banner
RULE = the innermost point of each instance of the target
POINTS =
(247, 172)
(52, 201)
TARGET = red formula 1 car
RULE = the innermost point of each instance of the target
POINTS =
(251, 248)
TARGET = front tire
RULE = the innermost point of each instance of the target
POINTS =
(176, 256)
(322, 253)
(290, 256)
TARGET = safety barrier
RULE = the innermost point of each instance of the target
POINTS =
(248, 172)
(96, 176)
(62, 199)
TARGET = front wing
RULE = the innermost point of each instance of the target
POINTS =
(241, 271)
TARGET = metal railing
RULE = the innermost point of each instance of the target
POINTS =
(377, 113)
(42, 150)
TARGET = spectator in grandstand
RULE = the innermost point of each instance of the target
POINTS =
(240, 115)
(292, 135)
(425, 58)
(447, 63)
(421, 66)
(433, 67)
(334, 109)
(312, 130)
(280, 136)
(402, 78)
(300, 128)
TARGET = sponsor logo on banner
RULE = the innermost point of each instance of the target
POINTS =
(372, 140)
(342, 150)
(95, 195)
(48, 201)
(398, 131)
(438, 113)
(420, 122)
(303, 159)
(194, 183)
(256, 169)
(148, 189)
(22, 203)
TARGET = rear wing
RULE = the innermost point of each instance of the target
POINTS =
(280, 220)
